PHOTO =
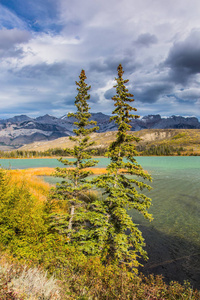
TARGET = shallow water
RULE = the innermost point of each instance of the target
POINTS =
(173, 237)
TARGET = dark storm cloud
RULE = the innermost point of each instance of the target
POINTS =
(151, 93)
(111, 63)
(147, 93)
(28, 107)
(184, 58)
(69, 99)
(37, 106)
(41, 70)
(146, 39)
(110, 93)
(186, 95)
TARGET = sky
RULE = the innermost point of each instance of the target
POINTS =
(44, 45)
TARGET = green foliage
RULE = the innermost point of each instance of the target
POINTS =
(22, 224)
(85, 277)
(94, 151)
(119, 239)
(33, 154)
(160, 150)
(179, 135)
(79, 277)
(73, 189)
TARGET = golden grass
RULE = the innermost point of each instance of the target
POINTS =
(50, 171)
(38, 187)
(98, 171)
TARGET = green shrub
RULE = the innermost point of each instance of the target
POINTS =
(179, 135)
(22, 222)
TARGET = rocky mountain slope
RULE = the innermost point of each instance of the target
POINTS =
(20, 130)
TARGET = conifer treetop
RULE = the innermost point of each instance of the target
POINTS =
(83, 129)
(122, 100)
(122, 192)
(82, 114)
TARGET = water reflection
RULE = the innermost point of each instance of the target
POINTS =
(174, 258)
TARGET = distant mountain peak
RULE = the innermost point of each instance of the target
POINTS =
(63, 117)
(99, 113)
(22, 129)
(152, 117)
(46, 118)
(18, 119)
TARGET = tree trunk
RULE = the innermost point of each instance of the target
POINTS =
(71, 219)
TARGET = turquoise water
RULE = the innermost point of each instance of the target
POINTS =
(148, 162)
(173, 237)
(29, 163)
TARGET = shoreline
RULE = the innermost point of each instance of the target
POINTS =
(46, 157)
(95, 157)
(48, 171)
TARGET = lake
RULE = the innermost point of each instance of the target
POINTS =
(173, 237)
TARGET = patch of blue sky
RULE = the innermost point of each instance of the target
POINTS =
(37, 15)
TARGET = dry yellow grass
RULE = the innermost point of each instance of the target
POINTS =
(100, 139)
(98, 171)
(189, 139)
(38, 187)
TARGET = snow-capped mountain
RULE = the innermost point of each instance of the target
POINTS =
(22, 129)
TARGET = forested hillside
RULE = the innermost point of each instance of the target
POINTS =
(152, 142)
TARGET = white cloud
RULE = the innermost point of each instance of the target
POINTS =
(97, 36)
(189, 94)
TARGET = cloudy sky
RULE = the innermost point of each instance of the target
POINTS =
(44, 44)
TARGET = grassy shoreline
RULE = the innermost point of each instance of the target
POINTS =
(47, 171)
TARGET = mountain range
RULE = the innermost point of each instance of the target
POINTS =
(20, 130)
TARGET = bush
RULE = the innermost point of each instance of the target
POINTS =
(20, 282)
(87, 278)
(22, 222)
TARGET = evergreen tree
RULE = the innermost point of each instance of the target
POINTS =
(73, 191)
(119, 238)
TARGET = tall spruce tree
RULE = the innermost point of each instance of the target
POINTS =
(120, 240)
(73, 190)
